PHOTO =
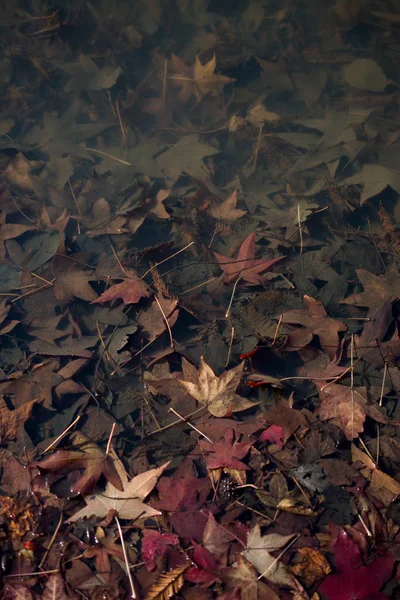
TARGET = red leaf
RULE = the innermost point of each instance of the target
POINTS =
(353, 581)
(55, 589)
(226, 452)
(130, 291)
(206, 565)
(156, 544)
(245, 265)
(273, 434)
(15, 591)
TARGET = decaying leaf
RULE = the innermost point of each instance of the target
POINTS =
(13, 421)
(198, 80)
(167, 584)
(245, 266)
(126, 500)
(129, 291)
(258, 554)
(90, 458)
(218, 393)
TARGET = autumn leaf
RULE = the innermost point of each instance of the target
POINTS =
(127, 500)
(198, 80)
(245, 577)
(55, 589)
(355, 580)
(217, 393)
(245, 265)
(227, 210)
(348, 408)
(258, 554)
(103, 551)
(12, 421)
(129, 291)
(226, 452)
(311, 565)
(89, 457)
(377, 290)
(316, 321)
(156, 544)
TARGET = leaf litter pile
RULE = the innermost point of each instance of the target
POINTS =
(199, 317)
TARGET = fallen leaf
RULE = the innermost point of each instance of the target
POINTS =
(227, 210)
(198, 80)
(353, 579)
(156, 544)
(365, 74)
(129, 291)
(246, 265)
(103, 221)
(12, 421)
(126, 501)
(226, 452)
(217, 393)
(86, 75)
(55, 589)
(316, 321)
(381, 485)
(89, 457)
(258, 554)
(377, 290)
(244, 576)
(186, 156)
(310, 565)
(374, 179)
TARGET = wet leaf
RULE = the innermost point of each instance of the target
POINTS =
(217, 393)
(365, 74)
(129, 291)
(156, 544)
(126, 500)
(12, 421)
(245, 266)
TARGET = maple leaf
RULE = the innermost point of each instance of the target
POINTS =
(217, 393)
(349, 407)
(273, 434)
(226, 452)
(377, 290)
(316, 321)
(206, 565)
(13, 421)
(198, 80)
(245, 577)
(227, 210)
(129, 291)
(156, 544)
(246, 265)
(352, 580)
(126, 501)
(55, 589)
(104, 549)
(258, 554)
(90, 458)
(184, 495)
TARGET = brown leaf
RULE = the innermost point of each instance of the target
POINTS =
(16, 591)
(227, 210)
(55, 589)
(381, 485)
(90, 458)
(217, 393)
(126, 503)
(377, 290)
(103, 221)
(258, 554)
(245, 265)
(348, 408)
(198, 80)
(311, 565)
(12, 421)
(244, 576)
(168, 584)
(315, 319)
(129, 291)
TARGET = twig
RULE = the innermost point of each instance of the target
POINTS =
(176, 422)
(279, 557)
(257, 146)
(121, 125)
(166, 321)
(53, 537)
(128, 568)
(376, 247)
(124, 162)
(277, 329)
(165, 259)
(199, 285)
(190, 425)
(230, 347)
(61, 436)
(233, 293)
(76, 204)
(110, 439)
